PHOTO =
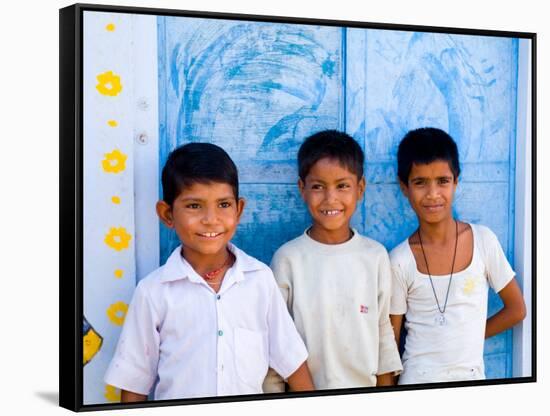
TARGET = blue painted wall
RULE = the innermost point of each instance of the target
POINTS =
(258, 89)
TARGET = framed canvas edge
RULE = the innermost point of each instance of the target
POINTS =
(71, 209)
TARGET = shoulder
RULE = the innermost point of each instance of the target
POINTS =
(250, 265)
(150, 286)
(372, 246)
(290, 248)
(484, 237)
(401, 256)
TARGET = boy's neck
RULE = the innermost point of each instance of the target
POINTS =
(438, 233)
(205, 263)
(330, 237)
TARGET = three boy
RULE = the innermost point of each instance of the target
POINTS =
(336, 284)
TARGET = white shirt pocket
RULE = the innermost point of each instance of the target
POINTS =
(251, 360)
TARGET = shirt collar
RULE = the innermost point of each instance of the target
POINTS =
(177, 268)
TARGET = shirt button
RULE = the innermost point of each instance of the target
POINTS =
(220, 333)
(218, 297)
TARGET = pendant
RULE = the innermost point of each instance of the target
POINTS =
(440, 320)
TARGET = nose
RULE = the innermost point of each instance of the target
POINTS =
(330, 195)
(210, 216)
(433, 190)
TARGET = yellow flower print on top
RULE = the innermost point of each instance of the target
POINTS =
(119, 273)
(469, 285)
(112, 123)
(109, 84)
(110, 27)
(115, 199)
(117, 312)
(114, 162)
(112, 394)
(118, 238)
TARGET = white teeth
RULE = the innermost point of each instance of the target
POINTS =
(210, 234)
(331, 212)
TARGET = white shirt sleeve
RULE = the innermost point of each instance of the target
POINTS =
(286, 348)
(497, 268)
(399, 290)
(388, 354)
(134, 364)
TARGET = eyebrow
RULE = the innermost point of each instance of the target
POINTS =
(346, 178)
(437, 177)
(195, 199)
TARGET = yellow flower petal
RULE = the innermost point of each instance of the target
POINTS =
(109, 84)
(112, 123)
(114, 162)
(110, 27)
(119, 273)
(112, 394)
(115, 199)
(117, 238)
(117, 312)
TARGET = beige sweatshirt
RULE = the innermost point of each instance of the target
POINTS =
(339, 298)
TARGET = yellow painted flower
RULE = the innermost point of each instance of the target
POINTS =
(109, 84)
(118, 238)
(115, 199)
(112, 123)
(112, 394)
(119, 273)
(114, 162)
(110, 27)
(469, 285)
(117, 312)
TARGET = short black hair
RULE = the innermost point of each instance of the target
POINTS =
(331, 144)
(197, 163)
(426, 145)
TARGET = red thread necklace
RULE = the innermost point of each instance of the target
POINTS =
(213, 273)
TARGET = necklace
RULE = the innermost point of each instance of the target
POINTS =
(441, 318)
(208, 276)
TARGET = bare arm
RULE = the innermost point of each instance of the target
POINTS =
(512, 312)
(385, 380)
(128, 397)
(396, 323)
(301, 380)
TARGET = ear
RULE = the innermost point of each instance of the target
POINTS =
(164, 212)
(301, 187)
(404, 188)
(362, 184)
(240, 208)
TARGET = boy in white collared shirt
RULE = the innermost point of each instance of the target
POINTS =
(211, 320)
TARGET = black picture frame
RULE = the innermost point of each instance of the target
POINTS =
(71, 201)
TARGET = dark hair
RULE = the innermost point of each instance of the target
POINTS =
(197, 163)
(331, 144)
(426, 145)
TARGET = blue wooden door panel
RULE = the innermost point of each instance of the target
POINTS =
(257, 89)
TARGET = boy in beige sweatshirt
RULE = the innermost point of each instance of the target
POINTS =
(336, 282)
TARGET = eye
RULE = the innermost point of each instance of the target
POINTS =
(225, 204)
(316, 186)
(419, 182)
(343, 185)
(193, 205)
(444, 181)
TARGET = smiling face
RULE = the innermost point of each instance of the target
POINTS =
(205, 217)
(331, 193)
(430, 191)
